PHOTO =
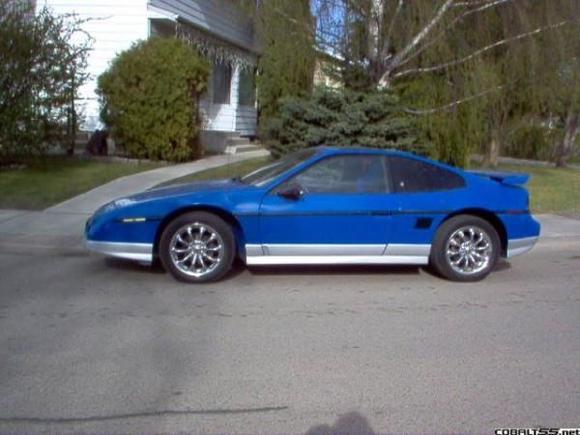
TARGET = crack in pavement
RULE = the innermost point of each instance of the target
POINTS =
(145, 414)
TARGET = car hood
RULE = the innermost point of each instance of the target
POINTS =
(228, 185)
(201, 188)
(176, 190)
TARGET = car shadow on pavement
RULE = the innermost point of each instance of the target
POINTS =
(238, 268)
(132, 266)
(351, 423)
(335, 270)
(306, 270)
(502, 265)
(156, 268)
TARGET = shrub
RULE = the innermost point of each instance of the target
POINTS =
(43, 59)
(149, 99)
(341, 118)
(529, 141)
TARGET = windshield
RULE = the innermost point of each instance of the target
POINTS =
(267, 173)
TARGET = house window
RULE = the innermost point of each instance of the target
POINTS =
(222, 83)
(247, 88)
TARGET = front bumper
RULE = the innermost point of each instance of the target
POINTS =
(142, 252)
(520, 246)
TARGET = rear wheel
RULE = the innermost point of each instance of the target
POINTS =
(197, 247)
(466, 249)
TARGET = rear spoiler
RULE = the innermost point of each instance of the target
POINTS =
(509, 178)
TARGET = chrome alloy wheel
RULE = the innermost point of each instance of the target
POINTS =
(469, 250)
(196, 249)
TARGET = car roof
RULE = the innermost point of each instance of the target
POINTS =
(328, 150)
(323, 149)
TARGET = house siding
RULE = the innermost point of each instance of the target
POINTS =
(218, 17)
(114, 25)
(246, 120)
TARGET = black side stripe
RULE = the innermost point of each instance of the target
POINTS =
(369, 213)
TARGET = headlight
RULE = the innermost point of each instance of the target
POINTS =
(123, 202)
(113, 205)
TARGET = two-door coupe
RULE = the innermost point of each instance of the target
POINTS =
(326, 206)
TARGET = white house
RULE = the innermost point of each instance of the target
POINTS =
(218, 28)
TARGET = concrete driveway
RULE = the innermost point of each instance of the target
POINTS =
(99, 346)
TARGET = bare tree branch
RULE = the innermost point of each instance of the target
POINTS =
(486, 5)
(455, 103)
(480, 51)
(476, 3)
(422, 34)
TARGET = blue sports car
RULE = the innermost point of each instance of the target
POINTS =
(326, 206)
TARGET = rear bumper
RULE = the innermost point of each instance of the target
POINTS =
(520, 246)
(142, 252)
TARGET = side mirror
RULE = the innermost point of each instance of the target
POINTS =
(293, 193)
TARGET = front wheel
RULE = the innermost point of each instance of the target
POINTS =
(466, 249)
(197, 247)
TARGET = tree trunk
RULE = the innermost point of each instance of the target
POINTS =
(73, 121)
(384, 81)
(375, 49)
(566, 148)
(492, 156)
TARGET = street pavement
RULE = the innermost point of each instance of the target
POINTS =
(94, 345)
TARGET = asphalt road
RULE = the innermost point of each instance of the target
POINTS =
(97, 346)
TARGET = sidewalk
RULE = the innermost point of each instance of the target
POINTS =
(64, 222)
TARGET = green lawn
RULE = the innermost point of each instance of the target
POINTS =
(227, 171)
(552, 190)
(51, 180)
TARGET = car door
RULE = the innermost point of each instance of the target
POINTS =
(340, 205)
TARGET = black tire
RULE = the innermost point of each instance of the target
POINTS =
(439, 259)
(207, 220)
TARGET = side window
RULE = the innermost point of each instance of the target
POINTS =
(410, 175)
(344, 174)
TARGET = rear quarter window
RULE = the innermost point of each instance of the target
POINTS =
(410, 175)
